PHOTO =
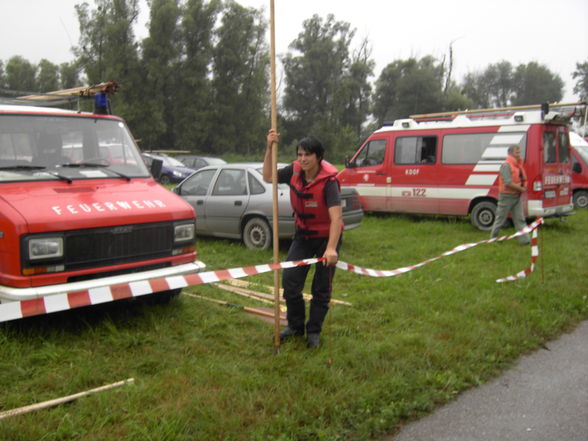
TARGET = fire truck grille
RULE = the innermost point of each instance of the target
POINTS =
(116, 245)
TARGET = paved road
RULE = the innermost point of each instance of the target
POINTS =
(544, 397)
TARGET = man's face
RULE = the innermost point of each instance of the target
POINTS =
(517, 152)
(308, 161)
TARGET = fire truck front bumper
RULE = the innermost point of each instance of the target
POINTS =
(137, 283)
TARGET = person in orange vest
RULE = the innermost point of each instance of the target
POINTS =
(316, 200)
(512, 183)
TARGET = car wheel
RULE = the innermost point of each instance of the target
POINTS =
(257, 234)
(483, 215)
(164, 180)
(581, 199)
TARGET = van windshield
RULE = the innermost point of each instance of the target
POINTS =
(49, 147)
(583, 152)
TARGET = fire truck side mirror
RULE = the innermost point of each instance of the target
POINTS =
(156, 168)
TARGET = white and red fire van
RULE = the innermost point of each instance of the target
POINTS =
(449, 164)
(79, 210)
(579, 170)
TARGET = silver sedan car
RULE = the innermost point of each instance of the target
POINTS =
(232, 201)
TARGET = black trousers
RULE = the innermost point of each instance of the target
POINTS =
(293, 280)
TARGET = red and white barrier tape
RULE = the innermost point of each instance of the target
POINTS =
(395, 272)
(94, 296)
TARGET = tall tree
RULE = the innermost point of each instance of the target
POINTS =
(581, 77)
(161, 57)
(21, 74)
(535, 83)
(239, 81)
(492, 87)
(322, 91)
(108, 51)
(47, 76)
(355, 90)
(2, 75)
(409, 86)
(69, 75)
(192, 91)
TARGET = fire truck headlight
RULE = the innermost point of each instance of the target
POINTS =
(184, 233)
(46, 248)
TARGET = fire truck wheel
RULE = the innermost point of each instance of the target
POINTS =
(581, 199)
(483, 215)
(257, 234)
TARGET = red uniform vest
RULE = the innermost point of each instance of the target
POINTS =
(311, 213)
(517, 172)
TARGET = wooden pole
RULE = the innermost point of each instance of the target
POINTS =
(234, 305)
(274, 118)
(55, 402)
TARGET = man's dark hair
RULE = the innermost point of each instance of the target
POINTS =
(312, 145)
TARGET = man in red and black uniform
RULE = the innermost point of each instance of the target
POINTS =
(512, 183)
(316, 201)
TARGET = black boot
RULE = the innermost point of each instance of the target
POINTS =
(288, 332)
(313, 340)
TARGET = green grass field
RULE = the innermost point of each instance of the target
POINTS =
(206, 372)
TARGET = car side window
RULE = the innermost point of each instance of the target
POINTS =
(198, 183)
(255, 187)
(230, 182)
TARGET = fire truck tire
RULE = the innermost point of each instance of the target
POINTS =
(581, 199)
(257, 234)
(483, 215)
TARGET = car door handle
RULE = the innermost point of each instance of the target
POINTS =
(238, 203)
(200, 202)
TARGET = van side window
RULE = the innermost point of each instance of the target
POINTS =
(470, 148)
(371, 154)
(549, 154)
(564, 147)
(416, 150)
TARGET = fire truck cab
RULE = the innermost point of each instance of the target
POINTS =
(79, 210)
(449, 164)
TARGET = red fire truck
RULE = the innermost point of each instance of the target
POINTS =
(579, 170)
(449, 163)
(81, 213)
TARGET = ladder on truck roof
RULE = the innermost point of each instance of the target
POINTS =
(108, 87)
(63, 96)
(567, 110)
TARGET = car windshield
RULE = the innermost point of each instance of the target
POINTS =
(48, 147)
(171, 162)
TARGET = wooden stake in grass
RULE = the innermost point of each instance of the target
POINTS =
(57, 401)
(255, 311)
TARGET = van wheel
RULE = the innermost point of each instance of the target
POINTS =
(581, 199)
(164, 180)
(483, 215)
(257, 234)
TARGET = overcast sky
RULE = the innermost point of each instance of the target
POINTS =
(552, 33)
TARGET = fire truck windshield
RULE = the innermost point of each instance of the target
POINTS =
(49, 147)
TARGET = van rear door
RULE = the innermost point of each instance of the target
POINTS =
(556, 166)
